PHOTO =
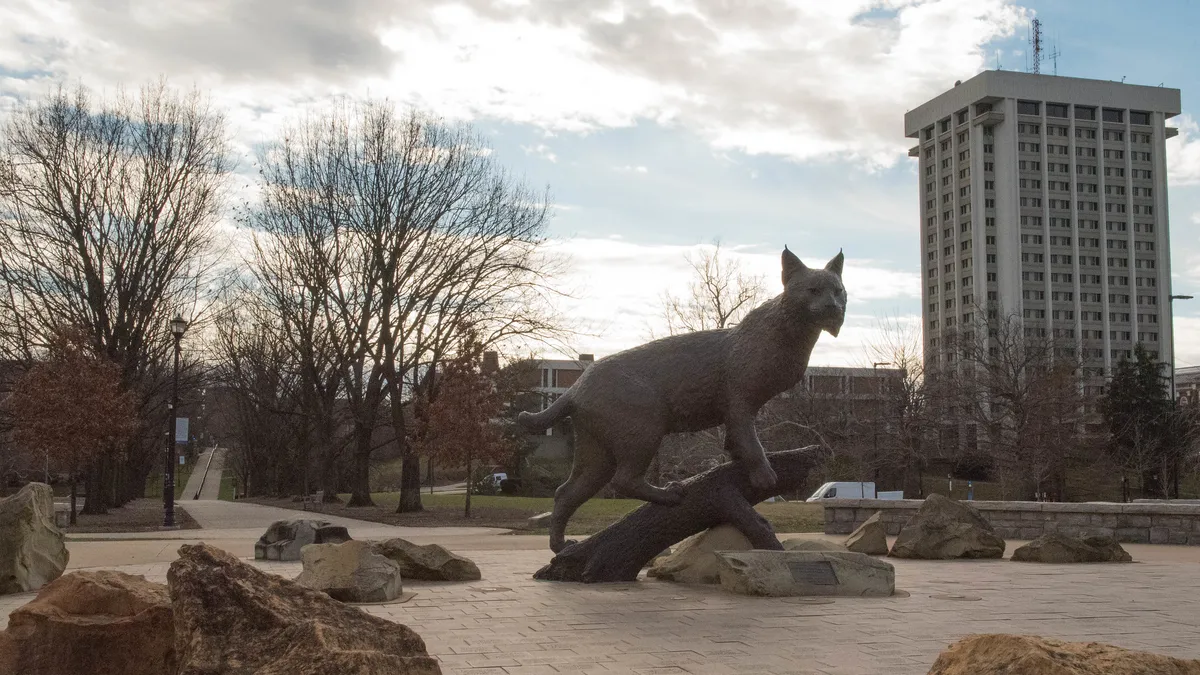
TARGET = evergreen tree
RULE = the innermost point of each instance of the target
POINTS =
(1139, 415)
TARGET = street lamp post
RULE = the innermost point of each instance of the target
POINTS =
(1172, 299)
(178, 328)
(875, 421)
(1174, 394)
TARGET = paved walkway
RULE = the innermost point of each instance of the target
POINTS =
(196, 478)
(235, 526)
(211, 486)
(510, 624)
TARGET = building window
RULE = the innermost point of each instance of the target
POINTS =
(1114, 115)
(1028, 108)
(944, 126)
(1085, 113)
(1086, 152)
(1056, 110)
(1080, 132)
(1136, 117)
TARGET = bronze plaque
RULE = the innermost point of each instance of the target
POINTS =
(813, 572)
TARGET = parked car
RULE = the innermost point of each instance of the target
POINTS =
(852, 490)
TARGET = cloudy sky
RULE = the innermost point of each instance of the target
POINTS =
(659, 125)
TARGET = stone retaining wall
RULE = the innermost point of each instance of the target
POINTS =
(1139, 523)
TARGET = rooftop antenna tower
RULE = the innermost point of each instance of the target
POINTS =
(1054, 54)
(1035, 41)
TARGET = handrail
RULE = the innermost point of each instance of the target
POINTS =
(204, 478)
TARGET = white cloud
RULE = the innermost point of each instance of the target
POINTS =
(1187, 339)
(631, 169)
(619, 285)
(805, 80)
(1183, 152)
(541, 150)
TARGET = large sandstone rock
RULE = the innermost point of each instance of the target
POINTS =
(284, 538)
(428, 563)
(812, 545)
(694, 561)
(1056, 547)
(799, 573)
(1028, 655)
(32, 552)
(233, 619)
(943, 529)
(350, 572)
(870, 537)
(98, 623)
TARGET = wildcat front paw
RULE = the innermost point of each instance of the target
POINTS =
(763, 477)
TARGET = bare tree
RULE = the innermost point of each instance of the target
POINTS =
(901, 419)
(1020, 391)
(107, 216)
(387, 236)
(719, 294)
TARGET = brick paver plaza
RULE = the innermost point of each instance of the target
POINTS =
(509, 623)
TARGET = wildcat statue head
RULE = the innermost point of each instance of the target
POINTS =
(815, 295)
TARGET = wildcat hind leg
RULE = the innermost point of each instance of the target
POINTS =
(591, 470)
(630, 480)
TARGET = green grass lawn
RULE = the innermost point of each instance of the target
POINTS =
(227, 485)
(593, 516)
(154, 480)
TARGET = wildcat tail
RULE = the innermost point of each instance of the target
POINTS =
(546, 418)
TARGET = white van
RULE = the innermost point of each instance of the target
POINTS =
(852, 490)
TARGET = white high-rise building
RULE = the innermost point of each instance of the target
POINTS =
(1045, 197)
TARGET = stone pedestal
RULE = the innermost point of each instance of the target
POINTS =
(803, 573)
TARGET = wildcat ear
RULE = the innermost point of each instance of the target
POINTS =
(835, 265)
(791, 265)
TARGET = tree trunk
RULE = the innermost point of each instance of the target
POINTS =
(467, 509)
(722, 495)
(74, 495)
(94, 483)
(410, 483)
(360, 481)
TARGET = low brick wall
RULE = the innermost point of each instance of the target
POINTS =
(1138, 523)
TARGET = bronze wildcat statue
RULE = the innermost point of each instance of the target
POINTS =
(623, 405)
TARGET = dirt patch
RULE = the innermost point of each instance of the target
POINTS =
(139, 515)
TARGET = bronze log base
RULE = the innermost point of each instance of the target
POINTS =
(722, 495)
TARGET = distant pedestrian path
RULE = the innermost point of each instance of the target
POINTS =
(210, 487)
(196, 479)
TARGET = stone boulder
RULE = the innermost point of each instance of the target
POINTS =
(233, 619)
(1028, 655)
(350, 572)
(284, 538)
(802, 573)
(812, 545)
(332, 534)
(99, 623)
(694, 560)
(944, 529)
(1056, 547)
(870, 537)
(428, 563)
(32, 552)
